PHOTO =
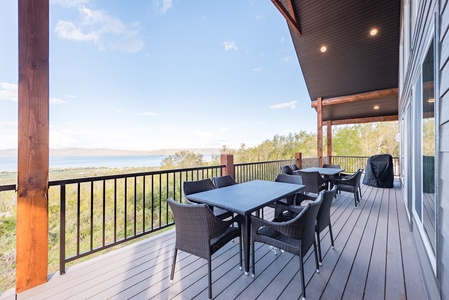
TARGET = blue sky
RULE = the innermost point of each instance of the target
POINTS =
(155, 74)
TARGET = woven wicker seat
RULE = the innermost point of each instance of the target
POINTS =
(192, 187)
(200, 233)
(222, 181)
(295, 236)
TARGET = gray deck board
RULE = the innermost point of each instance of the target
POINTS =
(374, 258)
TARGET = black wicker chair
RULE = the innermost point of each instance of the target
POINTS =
(350, 184)
(323, 219)
(222, 181)
(199, 232)
(295, 199)
(192, 187)
(313, 181)
(295, 236)
(331, 166)
(294, 167)
(287, 170)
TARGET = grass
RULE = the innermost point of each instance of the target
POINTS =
(8, 220)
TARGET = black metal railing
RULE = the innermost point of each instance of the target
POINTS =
(97, 213)
(265, 170)
(353, 163)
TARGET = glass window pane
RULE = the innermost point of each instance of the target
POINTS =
(428, 146)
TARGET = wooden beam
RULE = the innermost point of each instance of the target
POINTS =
(365, 120)
(329, 140)
(33, 145)
(289, 15)
(320, 131)
(358, 97)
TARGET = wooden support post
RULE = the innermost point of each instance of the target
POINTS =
(298, 159)
(319, 112)
(33, 145)
(228, 161)
(329, 141)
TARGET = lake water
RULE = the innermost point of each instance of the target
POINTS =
(9, 163)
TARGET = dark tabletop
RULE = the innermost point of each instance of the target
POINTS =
(245, 198)
(324, 171)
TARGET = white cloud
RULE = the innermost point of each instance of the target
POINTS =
(230, 46)
(202, 134)
(8, 125)
(162, 6)
(258, 69)
(70, 3)
(105, 31)
(57, 101)
(145, 113)
(291, 104)
(287, 59)
(9, 91)
(148, 113)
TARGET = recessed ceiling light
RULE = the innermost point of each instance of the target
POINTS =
(431, 100)
(376, 107)
(323, 49)
(373, 31)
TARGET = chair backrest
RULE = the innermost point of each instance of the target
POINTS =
(287, 170)
(309, 221)
(358, 176)
(294, 167)
(331, 166)
(312, 180)
(294, 179)
(194, 226)
(192, 187)
(323, 218)
(222, 181)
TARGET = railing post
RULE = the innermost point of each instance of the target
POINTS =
(298, 159)
(228, 161)
(62, 222)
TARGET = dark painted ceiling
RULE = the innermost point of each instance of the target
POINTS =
(355, 62)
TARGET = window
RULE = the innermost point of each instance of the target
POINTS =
(428, 145)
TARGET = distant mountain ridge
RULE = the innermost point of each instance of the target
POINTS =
(115, 152)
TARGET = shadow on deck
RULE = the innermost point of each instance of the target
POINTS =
(374, 258)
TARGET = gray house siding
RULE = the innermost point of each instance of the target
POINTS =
(443, 183)
(432, 20)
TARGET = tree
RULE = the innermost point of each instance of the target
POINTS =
(182, 159)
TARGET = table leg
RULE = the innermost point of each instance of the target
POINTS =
(246, 232)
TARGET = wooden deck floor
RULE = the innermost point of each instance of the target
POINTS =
(374, 258)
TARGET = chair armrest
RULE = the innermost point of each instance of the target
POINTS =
(346, 180)
(219, 226)
(291, 228)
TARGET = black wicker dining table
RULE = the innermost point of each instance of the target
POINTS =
(244, 199)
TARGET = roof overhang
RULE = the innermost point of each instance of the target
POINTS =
(357, 75)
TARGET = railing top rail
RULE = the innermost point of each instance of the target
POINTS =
(8, 187)
(263, 162)
(138, 174)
